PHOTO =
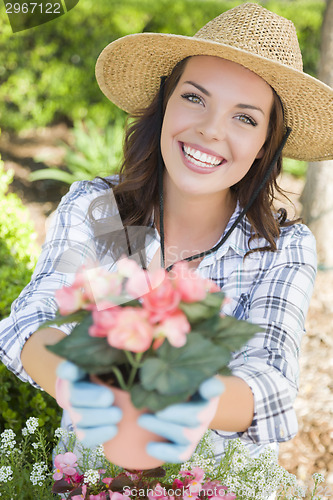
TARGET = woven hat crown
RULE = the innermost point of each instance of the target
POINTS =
(257, 31)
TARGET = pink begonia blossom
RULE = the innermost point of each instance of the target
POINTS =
(65, 464)
(163, 299)
(99, 284)
(212, 287)
(198, 476)
(107, 480)
(159, 493)
(139, 283)
(83, 496)
(219, 491)
(115, 495)
(132, 330)
(104, 321)
(69, 299)
(190, 285)
(174, 327)
(127, 267)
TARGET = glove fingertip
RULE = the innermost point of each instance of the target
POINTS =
(70, 371)
(211, 388)
(95, 437)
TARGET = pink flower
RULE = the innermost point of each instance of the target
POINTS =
(142, 282)
(212, 287)
(107, 480)
(83, 496)
(99, 284)
(127, 267)
(158, 493)
(215, 491)
(69, 299)
(115, 495)
(132, 330)
(190, 285)
(174, 328)
(104, 321)
(65, 464)
(163, 299)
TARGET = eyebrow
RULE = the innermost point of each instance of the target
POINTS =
(242, 106)
(204, 91)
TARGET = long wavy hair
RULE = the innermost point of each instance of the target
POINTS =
(137, 194)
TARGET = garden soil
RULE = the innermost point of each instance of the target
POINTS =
(312, 449)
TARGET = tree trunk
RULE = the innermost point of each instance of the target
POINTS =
(317, 197)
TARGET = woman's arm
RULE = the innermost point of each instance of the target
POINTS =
(38, 361)
(235, 410)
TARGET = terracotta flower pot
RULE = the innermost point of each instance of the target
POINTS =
(128, 448)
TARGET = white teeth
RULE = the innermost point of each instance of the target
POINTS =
(201, 159)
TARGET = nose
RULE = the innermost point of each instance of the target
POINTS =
(212, 125)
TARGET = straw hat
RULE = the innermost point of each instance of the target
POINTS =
(128, 70)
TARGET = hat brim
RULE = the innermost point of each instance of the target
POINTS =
(128, 72)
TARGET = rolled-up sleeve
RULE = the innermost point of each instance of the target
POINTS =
(69, 244)
(278, 301)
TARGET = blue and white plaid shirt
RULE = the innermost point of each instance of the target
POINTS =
(271, 289)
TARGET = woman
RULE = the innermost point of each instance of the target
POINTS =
(199, 175)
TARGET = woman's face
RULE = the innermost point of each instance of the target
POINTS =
(215, 125)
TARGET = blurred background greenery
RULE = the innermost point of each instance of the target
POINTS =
(47, 72)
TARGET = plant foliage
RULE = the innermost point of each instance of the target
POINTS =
(18, 256)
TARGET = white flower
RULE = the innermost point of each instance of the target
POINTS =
(91, 476)
(61, 433)
(35, 445)
(32, 424)
(37, 475)
(317, 477)
(7, 441)
(6, 474)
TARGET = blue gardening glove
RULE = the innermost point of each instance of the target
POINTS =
(90, 406)
(183, 424)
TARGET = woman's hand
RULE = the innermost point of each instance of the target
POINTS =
(183, 424)
(90, 406)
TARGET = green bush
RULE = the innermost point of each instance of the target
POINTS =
(18, 255)
(93, 153)
(47, 72)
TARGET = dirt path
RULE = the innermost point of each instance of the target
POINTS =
(312, 449)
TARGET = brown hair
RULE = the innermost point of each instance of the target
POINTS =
(137, 191)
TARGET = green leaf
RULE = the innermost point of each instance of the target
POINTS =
(196, 311)
(177, 370)
(153, 400)
(232, 333)
(227, 331)
(75, 317)
(92, 354)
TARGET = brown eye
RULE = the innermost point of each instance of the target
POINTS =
(192, 98)
(247, 119)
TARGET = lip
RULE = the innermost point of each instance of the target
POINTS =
(196, 168)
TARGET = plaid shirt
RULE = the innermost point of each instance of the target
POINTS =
(271, 289)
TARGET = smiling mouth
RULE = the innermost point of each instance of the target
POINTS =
(201, 159)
